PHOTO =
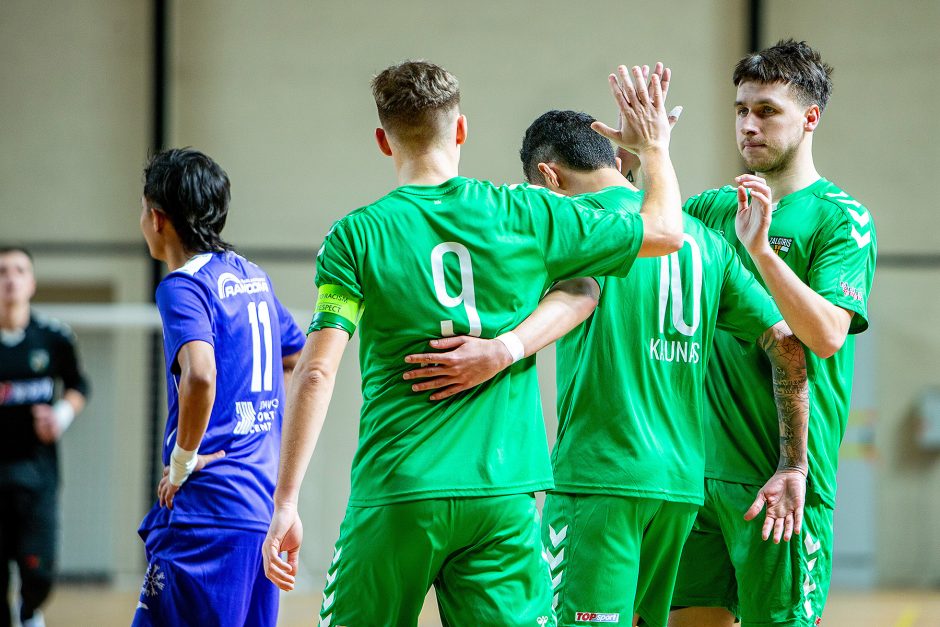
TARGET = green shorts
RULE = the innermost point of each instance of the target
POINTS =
(726, 563)
(482, 555)
(613, 556)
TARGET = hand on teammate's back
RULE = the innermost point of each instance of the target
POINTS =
(644, 124)
(469, 362)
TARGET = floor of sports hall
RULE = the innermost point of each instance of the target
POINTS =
(80, 606)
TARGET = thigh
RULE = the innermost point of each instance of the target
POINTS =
(495, 574)
(594, 548)
(706, 576)
(660, 550)
(384, 562)
(202, 576)
(778, 584)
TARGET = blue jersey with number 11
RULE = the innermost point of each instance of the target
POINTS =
(228, 302)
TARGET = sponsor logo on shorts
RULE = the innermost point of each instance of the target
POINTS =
(231, 285)
(154, 581)
(852, 292)
(781, 245)
(542, 620)
(596, 617)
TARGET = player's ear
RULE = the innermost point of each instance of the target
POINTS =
(552, 177)
(381, 138)
(811, 118)
(619, 163)
(158, 220)
(462, 129)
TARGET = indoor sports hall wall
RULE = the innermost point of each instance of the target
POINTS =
(278, 93)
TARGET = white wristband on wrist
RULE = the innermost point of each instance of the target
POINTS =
(64, 414)
(182, 464)
(513, 344)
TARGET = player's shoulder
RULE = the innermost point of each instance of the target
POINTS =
(47, 325)
(712, 202)
(837, 204)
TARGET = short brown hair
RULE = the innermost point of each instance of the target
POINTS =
(793, 63)
(413, 98)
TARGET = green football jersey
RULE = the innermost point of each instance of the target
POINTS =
(463, 257)
(828, 239)
(631, 377)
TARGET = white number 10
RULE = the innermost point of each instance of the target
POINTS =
(258, 314)
(466, 295)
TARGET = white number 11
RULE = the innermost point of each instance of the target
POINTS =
(258, 313)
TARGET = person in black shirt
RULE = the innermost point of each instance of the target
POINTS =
(37, 356)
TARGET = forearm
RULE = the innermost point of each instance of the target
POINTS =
(196, 397)
(819, 324)
(791, 395)
(662, 205)
(308, 400)
(566, 305)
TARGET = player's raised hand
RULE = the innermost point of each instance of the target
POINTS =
(285, 534)
(784, 496)
(644, 124)
(752, 222)
(468, 362)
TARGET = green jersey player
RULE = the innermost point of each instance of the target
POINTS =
(814, 250)
(442, 492)
(629, 460)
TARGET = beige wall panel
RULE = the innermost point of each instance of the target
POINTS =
(74, 114)
(279, 92)
(878, 137)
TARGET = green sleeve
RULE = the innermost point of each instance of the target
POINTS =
(745, 310)
(588, 235)
(710, 206)
(844, 266)
(340, 297)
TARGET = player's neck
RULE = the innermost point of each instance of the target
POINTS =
(14, 316)
(175, 257)
(427, 168)
(594, 181)
(798, 174)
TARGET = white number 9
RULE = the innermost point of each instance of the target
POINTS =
(466, 295)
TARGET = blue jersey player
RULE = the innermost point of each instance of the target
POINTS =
(227, 342)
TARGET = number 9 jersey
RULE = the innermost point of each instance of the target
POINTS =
(464, 257)
(228, 302)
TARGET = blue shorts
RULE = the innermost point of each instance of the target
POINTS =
(205, 576)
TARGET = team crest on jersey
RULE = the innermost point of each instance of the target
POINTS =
(39, 360)
(781, 245)
(231, 285)
(596, 617)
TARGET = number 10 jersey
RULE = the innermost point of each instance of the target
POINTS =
(631, 378)
(465, 257)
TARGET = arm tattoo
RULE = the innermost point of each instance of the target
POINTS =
(791, 394)
(630, 176)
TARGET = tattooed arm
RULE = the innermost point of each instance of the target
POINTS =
(785, 493)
